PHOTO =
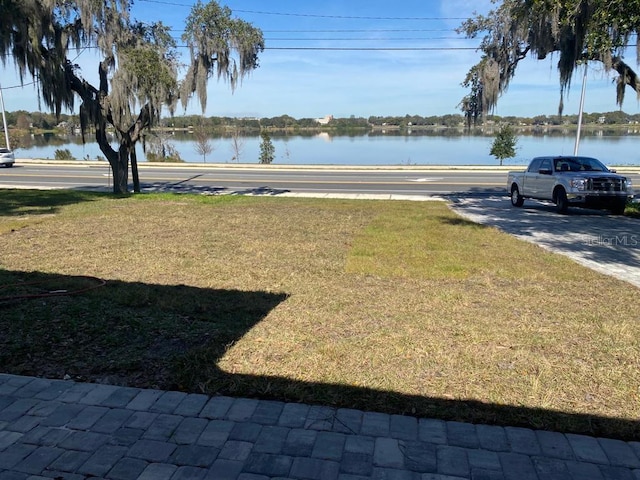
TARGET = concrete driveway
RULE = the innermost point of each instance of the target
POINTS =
(606, 243)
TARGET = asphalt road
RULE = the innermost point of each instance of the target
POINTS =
(255, 179)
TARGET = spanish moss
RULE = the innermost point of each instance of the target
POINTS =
(575, 31)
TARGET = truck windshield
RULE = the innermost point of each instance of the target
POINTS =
(579, 164)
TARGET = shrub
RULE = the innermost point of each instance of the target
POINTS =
(63, 154)
(267, 150)
(171, 158)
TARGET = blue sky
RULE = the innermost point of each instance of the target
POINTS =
(315, 83)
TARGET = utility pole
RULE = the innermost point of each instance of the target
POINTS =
(4, 120)
(584, 87)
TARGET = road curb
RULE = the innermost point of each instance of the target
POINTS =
(247, 166)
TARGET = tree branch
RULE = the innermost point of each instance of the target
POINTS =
(628, 77)
(90, 109)
(143, 121)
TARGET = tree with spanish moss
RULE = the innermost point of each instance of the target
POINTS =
(577, 32)
(138, 71)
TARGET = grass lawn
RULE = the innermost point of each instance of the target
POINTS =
(402, 307)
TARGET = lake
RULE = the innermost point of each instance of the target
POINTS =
(613, 147)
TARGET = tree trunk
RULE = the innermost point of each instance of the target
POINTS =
(119, 163)
(134, 171)
(120, 168)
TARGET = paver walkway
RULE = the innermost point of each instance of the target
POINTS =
(56, 429)
(606, 243)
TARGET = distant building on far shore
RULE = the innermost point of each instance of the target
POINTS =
(324, 120)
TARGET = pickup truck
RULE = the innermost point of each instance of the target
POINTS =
(571, 180)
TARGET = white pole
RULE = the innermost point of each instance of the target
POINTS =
(584, 87)
(4, 120)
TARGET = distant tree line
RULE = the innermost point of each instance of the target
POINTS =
(46, 121)
(40, 120)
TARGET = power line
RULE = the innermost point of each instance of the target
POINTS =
(19, 86)
(311, 39)
(371, 30)
(344, 17)
(373, 49)
(315, 15)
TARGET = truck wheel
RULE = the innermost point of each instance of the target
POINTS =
(517, 200)
(562, 204)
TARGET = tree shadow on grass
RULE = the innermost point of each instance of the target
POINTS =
(14, 202)
(186, 187)
(117, 332)
(460, 222)
(172, 337)
(476, 192)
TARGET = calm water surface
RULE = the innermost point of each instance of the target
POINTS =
(613, 148)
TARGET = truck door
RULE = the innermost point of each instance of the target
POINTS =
(531, 177)
(545, 181)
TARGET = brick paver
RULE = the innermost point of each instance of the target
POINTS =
(58, 429)
(539, 224)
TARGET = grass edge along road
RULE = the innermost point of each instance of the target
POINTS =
(401, 307)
